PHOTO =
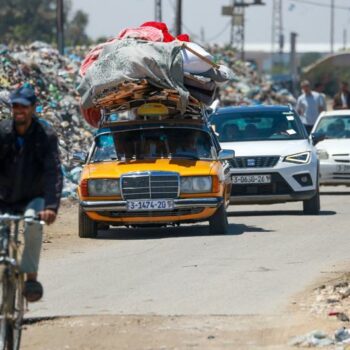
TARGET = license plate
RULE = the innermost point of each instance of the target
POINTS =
(251, 179)
(341, 168)
(148, 204)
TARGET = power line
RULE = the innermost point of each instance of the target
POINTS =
(314, 3)
(222, 31)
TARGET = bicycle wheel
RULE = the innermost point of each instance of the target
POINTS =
(4, 309)
(14, 326)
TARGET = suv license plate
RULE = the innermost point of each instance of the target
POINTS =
(251, 179)
(148, 204)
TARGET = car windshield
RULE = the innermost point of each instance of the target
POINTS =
(335, 127)
(257, 126)
(154, 143)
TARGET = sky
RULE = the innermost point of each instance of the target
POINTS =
(311, 22)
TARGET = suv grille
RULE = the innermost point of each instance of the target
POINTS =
(152, 185)
(254, 162)
(277, 186)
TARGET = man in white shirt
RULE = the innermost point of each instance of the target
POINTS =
(309, 105)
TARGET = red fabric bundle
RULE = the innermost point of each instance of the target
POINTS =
(91, 115)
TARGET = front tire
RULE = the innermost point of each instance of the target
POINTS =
(218, 223)
(87, 227)
(312, 206)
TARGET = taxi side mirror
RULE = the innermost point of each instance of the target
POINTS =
(80, 157)
(226, 154)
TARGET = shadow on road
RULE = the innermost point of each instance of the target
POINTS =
(172, 232)
(334, 193)
(278, 213)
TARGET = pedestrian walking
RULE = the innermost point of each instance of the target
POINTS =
(319, 87)
(342, 98)
(309, 105)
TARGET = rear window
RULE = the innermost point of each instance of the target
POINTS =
(257, 126)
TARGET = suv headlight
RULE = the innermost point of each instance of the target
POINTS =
(322, 154)
(196, 184)
(103, 187)
(298, 158)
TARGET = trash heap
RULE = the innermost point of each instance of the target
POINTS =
(331, 301)
(148, 64)
(248, 87)
(54, 78)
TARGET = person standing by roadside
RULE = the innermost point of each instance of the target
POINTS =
(342, 98)
(30, 178)
(319, 87)
(309, 105)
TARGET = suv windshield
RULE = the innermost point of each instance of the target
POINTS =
(154, 143)
(257, 126)
(336, 127)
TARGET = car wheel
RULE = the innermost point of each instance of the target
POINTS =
(87, 227)
(312, 206)
(218, 223)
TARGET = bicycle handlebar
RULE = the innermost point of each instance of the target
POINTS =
(17, 218)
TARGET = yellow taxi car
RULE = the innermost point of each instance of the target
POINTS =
(154, 173)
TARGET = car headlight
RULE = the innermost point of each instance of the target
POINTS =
(322, 154)
(298, 158)
(103, 187)
(196, 184)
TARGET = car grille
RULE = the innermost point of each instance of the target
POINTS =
(277, 186)
(341, 176)
(145, 214)
(254, 162)
(150, 185)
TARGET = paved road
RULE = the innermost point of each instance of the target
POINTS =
(272, 253)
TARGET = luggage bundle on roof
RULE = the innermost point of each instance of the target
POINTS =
(146, 65)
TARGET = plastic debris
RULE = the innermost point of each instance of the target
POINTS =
(342, 335)
(54, 78)
(313, 339)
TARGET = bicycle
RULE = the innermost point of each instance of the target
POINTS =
(12, 301)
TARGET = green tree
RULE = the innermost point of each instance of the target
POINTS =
(309, 58)
(24, 21)
(75, 33)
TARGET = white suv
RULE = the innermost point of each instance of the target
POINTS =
(275, 160)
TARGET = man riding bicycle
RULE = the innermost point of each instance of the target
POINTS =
(30, 178)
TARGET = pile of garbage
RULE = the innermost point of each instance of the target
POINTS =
(320, 339)
(54, 78)
(249, 87)
(331, 301)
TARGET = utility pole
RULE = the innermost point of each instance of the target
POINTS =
(293, 62)
(332, 26)
(238, 27)
(237, 13)
(345, 38)
(277, 38)
(178, 20)
(158, 10)
(60, 26)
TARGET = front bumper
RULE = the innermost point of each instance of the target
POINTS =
(270, 199)
(189, 210)
(334, 173)
(121, 205)
(284, 186)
